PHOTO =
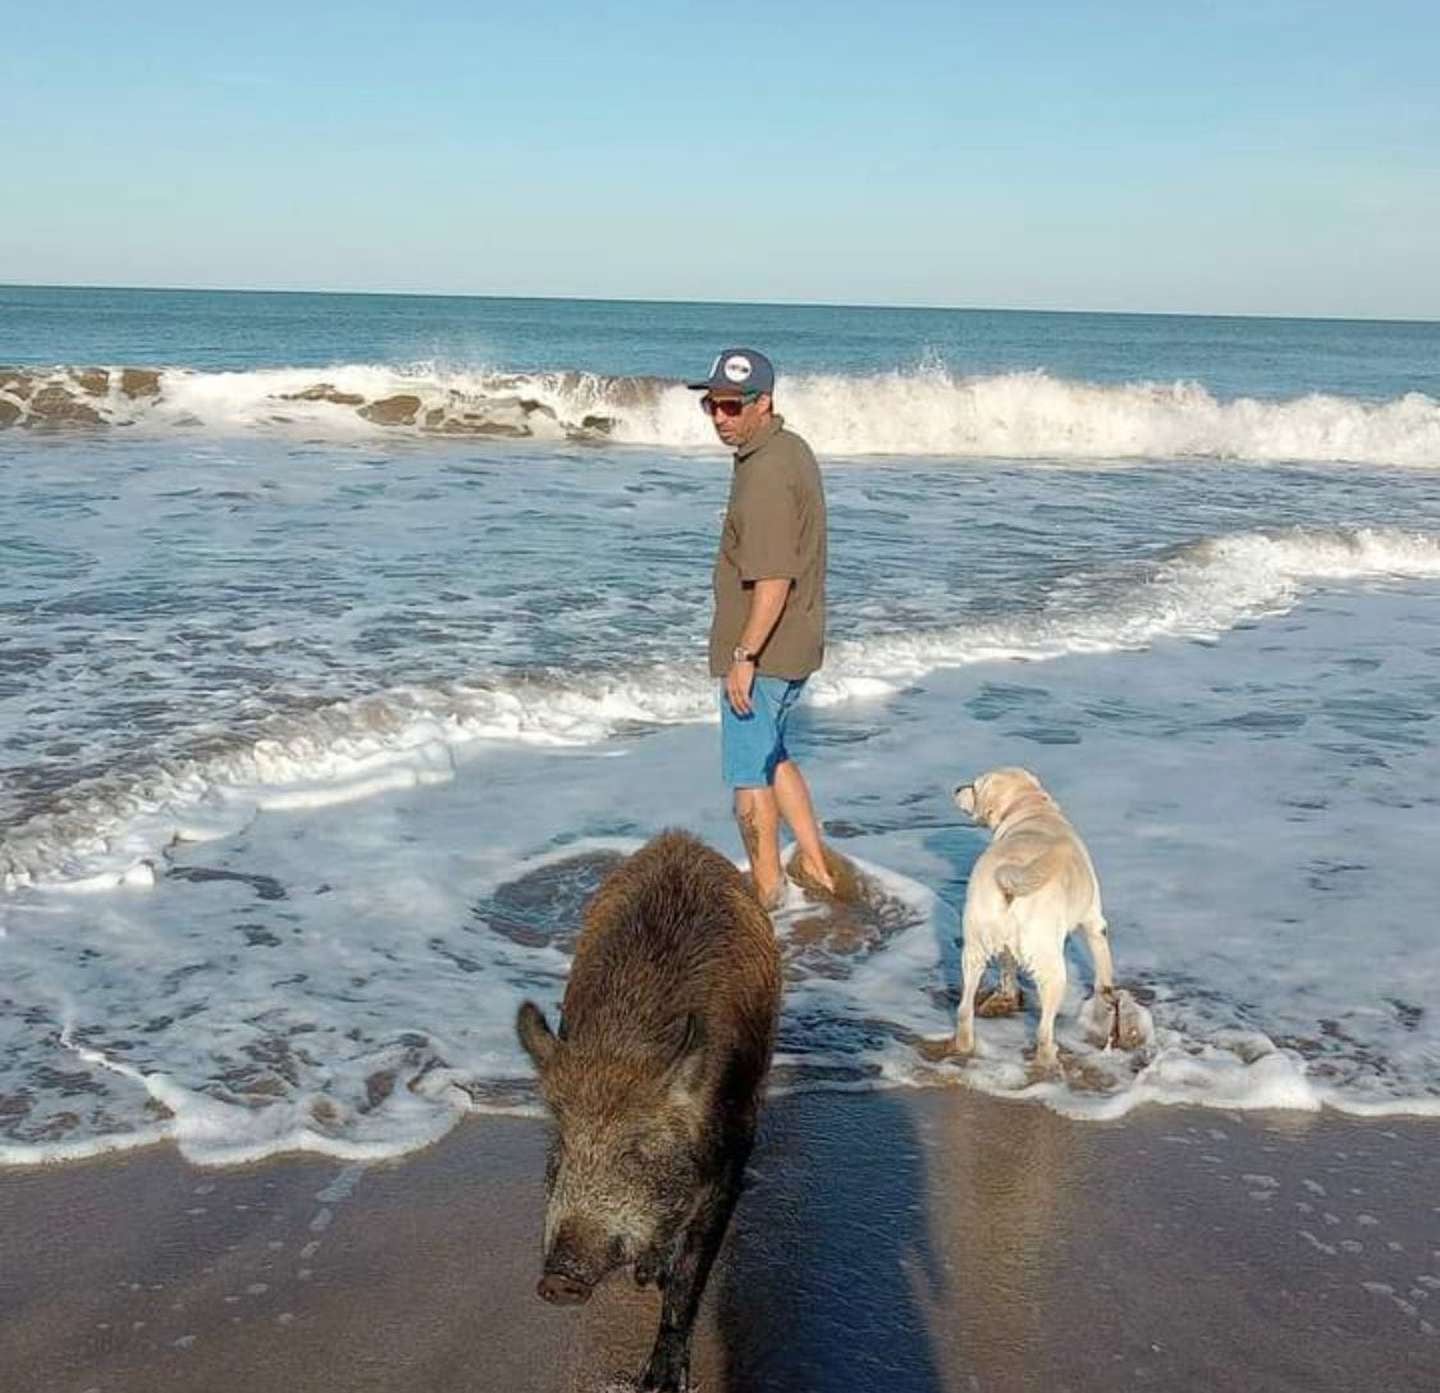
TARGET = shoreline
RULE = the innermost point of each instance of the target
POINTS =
(100, 1154)
(919, 1241)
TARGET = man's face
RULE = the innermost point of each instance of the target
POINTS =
(736, 417)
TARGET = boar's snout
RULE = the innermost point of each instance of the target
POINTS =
(560, 1290)
(579, 1256)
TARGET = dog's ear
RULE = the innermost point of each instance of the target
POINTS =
(965, 798)
(982, 799)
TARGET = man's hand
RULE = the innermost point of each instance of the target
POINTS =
(738, 682)
(767, 601)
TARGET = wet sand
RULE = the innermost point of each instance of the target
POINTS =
(913, 1242)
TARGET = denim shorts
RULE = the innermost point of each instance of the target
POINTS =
(753, 746)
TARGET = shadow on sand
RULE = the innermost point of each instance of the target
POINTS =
(894, 1246)
(829, 1269)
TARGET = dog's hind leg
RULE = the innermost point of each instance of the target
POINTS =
(1097, 939)
(972, 966)
(1049, 974)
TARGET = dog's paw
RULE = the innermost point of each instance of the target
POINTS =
(1113, 1020)
(1044, 1064)
(1132, 1028)
(1097, 1019)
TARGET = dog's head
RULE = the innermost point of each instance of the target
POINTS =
(992, 797)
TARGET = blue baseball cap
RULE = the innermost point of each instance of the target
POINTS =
(738, 370)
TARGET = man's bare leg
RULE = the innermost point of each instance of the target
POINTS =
(758, 814)
(792, 797)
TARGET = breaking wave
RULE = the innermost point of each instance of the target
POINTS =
(927, 411)
(108, 830)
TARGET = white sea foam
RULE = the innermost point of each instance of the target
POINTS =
(329, 1109)
(106, 832)
(345, 981)
(1198, 590)
(927, 411)
(1032, 415)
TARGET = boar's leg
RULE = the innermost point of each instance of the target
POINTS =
(684, 1284)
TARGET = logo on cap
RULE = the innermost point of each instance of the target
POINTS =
(737, 368)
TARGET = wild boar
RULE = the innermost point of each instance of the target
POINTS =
(654, 1079)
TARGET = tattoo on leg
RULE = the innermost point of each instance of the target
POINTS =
(749, 833)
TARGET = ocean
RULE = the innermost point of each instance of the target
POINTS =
(349, 639)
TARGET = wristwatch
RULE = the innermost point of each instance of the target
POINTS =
(741, 654)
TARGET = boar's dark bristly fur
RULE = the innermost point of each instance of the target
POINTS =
(655, 1079)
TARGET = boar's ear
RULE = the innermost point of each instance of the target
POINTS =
(535, 1036)
(689, 1061)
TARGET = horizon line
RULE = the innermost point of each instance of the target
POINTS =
(682, 300)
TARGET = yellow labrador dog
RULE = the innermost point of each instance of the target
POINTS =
(1030, 888)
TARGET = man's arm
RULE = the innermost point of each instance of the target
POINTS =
(767, 604)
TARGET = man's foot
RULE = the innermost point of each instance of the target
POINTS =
(769, 896)
(803, 868)
(999, 1002)
(823, 882)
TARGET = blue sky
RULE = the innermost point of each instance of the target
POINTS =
(1262, 157)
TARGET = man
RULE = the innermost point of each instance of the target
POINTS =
(768, 631)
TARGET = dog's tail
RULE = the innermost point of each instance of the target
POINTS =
(1017, 879)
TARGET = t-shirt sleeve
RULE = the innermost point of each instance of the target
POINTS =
(770, 526)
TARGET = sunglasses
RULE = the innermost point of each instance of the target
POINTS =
(725, 406)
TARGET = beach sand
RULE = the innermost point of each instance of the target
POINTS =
(906, 1240)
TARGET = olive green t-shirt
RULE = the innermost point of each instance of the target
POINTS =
(774, 527)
